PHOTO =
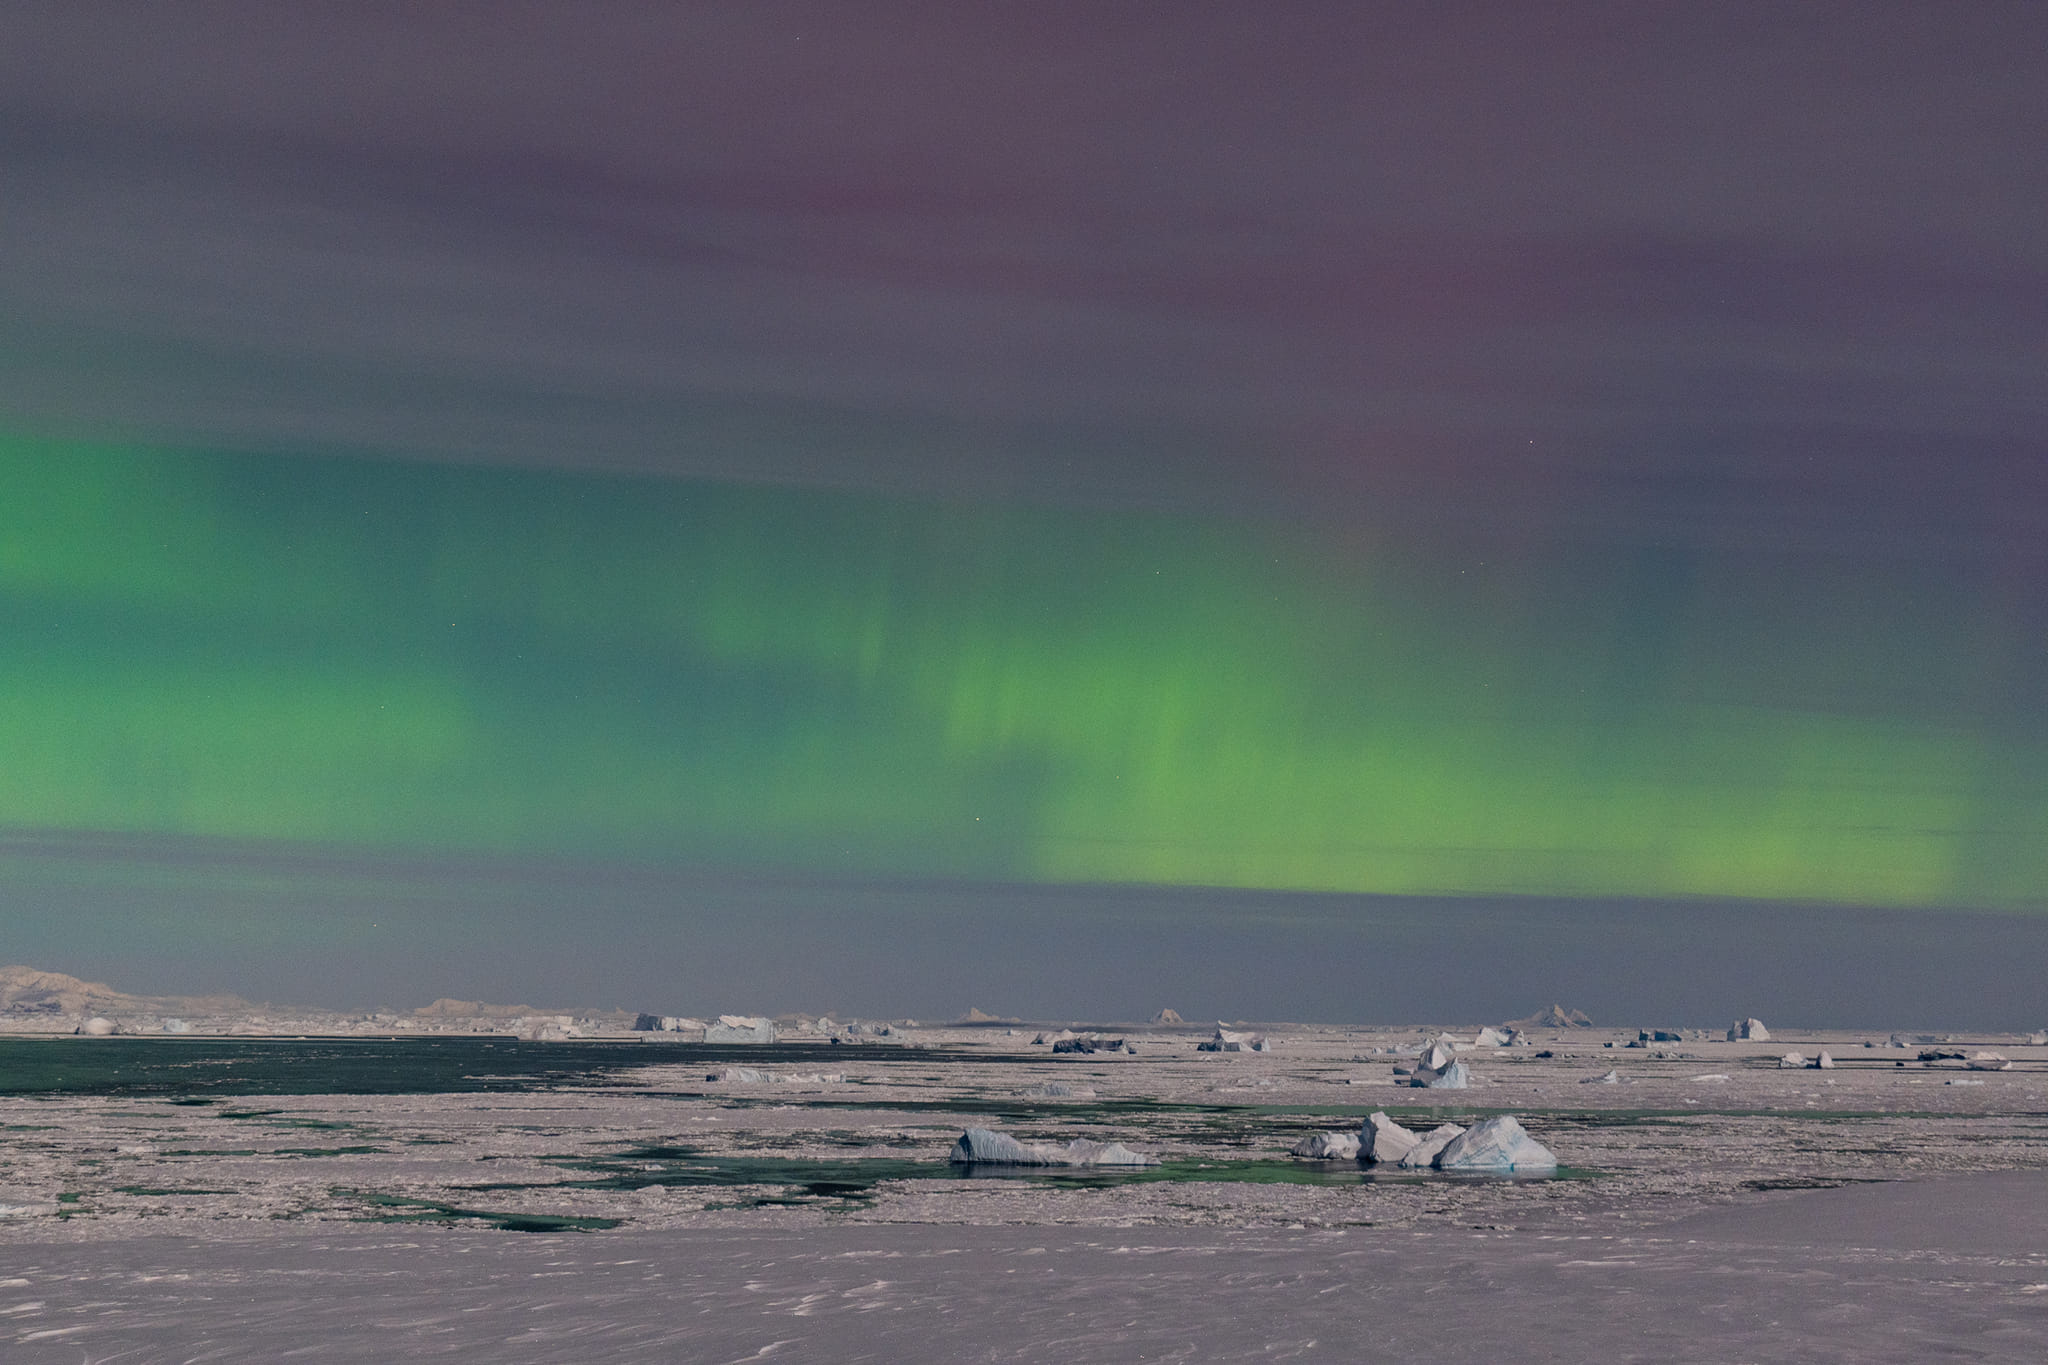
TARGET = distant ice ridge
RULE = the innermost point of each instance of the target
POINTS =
(987, 1147)
(749, 1028)
(739, 1028)
(666, 1023)
(546, 1028)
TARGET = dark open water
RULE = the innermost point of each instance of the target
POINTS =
(202, 1068)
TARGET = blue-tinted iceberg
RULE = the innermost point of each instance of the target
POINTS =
(987, 1147)
(1452, 1077)
(1498, 1146)
(1429, 1146)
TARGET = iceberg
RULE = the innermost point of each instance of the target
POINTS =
(987, 1147)
(1425, 1151)
(1383, 1141)
(1498, 1146)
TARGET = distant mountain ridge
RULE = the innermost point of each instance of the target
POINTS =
(29, 989)
(445, 1008)
(1556, 1016)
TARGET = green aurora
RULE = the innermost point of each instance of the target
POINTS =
(392, 654)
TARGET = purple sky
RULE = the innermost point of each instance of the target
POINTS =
(1659, 271)
(1525, 276)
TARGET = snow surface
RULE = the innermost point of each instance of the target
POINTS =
(1956, 1268)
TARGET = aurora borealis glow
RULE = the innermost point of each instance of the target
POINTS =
(361, 652)
(605, 484)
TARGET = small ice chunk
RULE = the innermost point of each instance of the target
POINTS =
(1057, 1090)
(1328, 1147)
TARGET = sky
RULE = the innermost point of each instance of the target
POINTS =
(1342, 510)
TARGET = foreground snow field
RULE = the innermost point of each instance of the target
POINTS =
(644, 1205)
(1941, 1269)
